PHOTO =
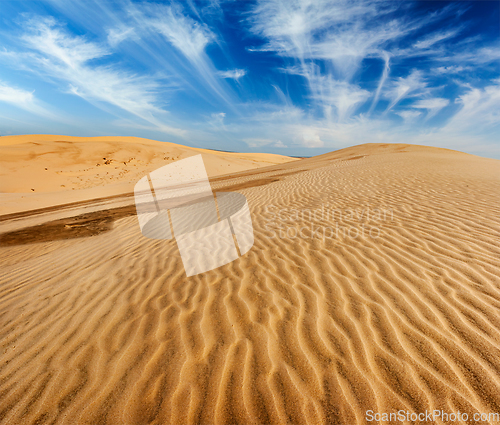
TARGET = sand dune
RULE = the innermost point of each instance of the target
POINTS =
(397, 307)
(42, 166)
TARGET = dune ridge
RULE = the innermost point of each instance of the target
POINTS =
(304, 330)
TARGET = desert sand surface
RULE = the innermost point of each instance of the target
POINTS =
(41, 167)
(391, 303)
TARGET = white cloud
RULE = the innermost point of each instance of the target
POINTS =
(255, 142)
(433, 39)
(472, 55)
(25, 100)
(433, 105)
(341, 33)
(474, 128)
(268, 114)
(452, 69)
(15, 96)
(278, 144)
(480, 109)
(234, 74)
(51, 41)
(118, 35)
(339, 99)
(166, 39)
(65, 57)
(409, 116)
(344, 97)
(329, 39)
(217, 119)
(403, 86)
(189, 37)
(310, 138)
(301, 28)
(383, 78)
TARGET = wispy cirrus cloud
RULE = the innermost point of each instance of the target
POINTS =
(189, 37)
(408, 115)
(184, 33)
(68, 58)
(383, 78)
(161, 39)
(403, 87)
(478, 108)
(234, 74)
(432, 105)
(471, 55)
(452, 69)
(337, 99)
(45, 37)
(25, 100)
(328, 42)
(19, 97)
(305, 29)
(340, 95)
(120, 34)
(436, 38)
(259, 143)
(340, 34)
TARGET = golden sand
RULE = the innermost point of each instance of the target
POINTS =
(106, 328)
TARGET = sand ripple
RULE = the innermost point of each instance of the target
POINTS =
(108, 330)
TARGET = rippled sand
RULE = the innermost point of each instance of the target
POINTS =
(105, 328)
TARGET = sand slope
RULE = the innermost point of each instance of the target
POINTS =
(108, 330)
(40, 167)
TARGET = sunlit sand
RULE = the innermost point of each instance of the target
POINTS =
(373, 285)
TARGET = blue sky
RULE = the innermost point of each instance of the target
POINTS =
(291, 77)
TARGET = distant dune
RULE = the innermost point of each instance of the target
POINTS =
(373, 285)
(98, 166)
